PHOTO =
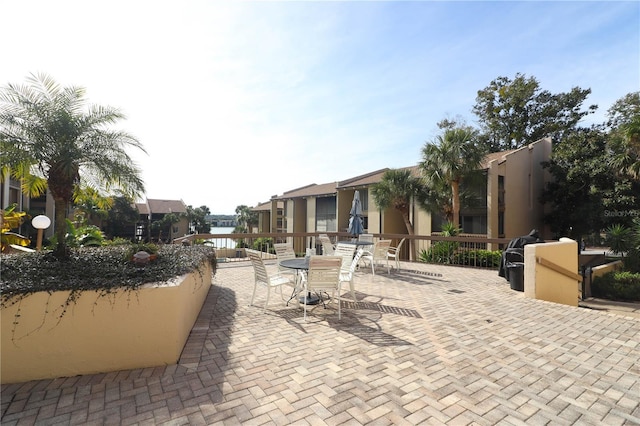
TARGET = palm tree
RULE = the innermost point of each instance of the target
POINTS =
(450, 159)
(625, 143)
(397, 188)
(245, 218)
(49, 139)
(90, 205)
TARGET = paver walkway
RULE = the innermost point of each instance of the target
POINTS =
(417, 348)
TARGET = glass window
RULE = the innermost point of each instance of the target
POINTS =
(326, 214)
(474, 224)
(364, 200)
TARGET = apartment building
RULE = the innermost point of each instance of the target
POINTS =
(509, 207)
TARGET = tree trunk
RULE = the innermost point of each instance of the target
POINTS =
(455, 203)
(409, 225)
(61, 182)
(61, 250)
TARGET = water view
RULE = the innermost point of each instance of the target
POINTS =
(222, 242)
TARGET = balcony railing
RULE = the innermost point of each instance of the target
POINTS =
(466, 250)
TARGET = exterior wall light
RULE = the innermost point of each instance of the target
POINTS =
(41, 223)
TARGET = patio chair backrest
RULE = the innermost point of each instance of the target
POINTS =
(284, 251)
(380, 249)
(259, 269)
(345, 249)
(355, 261)
(324, 272)
(346, 252)
(327, 245)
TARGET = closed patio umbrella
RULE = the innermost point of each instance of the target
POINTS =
(356, 226)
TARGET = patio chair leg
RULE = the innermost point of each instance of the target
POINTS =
(266, 302)
(253, 296)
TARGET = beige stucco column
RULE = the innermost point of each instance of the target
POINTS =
(492, 202)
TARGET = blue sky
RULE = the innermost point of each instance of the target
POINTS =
(239, 101)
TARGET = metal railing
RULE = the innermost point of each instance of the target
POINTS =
(468, 250)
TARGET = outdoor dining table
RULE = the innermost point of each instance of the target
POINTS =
(300, 264)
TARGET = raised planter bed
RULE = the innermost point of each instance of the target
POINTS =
(126, 329)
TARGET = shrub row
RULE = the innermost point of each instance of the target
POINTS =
(96, 268)
(446, 252)
(617, 286)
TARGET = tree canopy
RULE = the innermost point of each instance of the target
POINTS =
(447, 161)
(245, 218)
(122, 218)
(51, 139)
(578, 172)
(397, 189)
(624, 125)
(595, 182)
(514, 113)
(198, 219)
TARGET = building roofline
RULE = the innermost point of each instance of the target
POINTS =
(347, 182)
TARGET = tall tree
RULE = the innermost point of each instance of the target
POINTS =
(397, 189)
(90, 205)
(449, 160)
(624, 110)
(580, 174)
(197, 219)
(514, 113)
(245, 218)
(46, 132)
(624, 139)
(123, 216)
(165, 225)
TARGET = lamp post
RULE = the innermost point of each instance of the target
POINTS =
(41, 223)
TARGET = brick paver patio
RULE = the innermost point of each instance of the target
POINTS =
(417, 348)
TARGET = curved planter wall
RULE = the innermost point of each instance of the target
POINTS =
(124, 330)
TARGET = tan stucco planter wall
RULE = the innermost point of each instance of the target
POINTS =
(598, 271)
(545, 283)
(124, 330)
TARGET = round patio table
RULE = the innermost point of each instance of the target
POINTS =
(301, 264)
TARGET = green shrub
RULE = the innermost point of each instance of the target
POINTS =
(132, 249)
(116, 241)
(449, 253)
(617, 286)
(83, 236)
(263, 244)
(95, 268)
(479, 258)
(440, 252)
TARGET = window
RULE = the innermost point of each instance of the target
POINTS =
(326, 214)
(364, 200)
(474, 224)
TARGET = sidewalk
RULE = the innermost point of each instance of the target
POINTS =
(441, 345)
(621, 308)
